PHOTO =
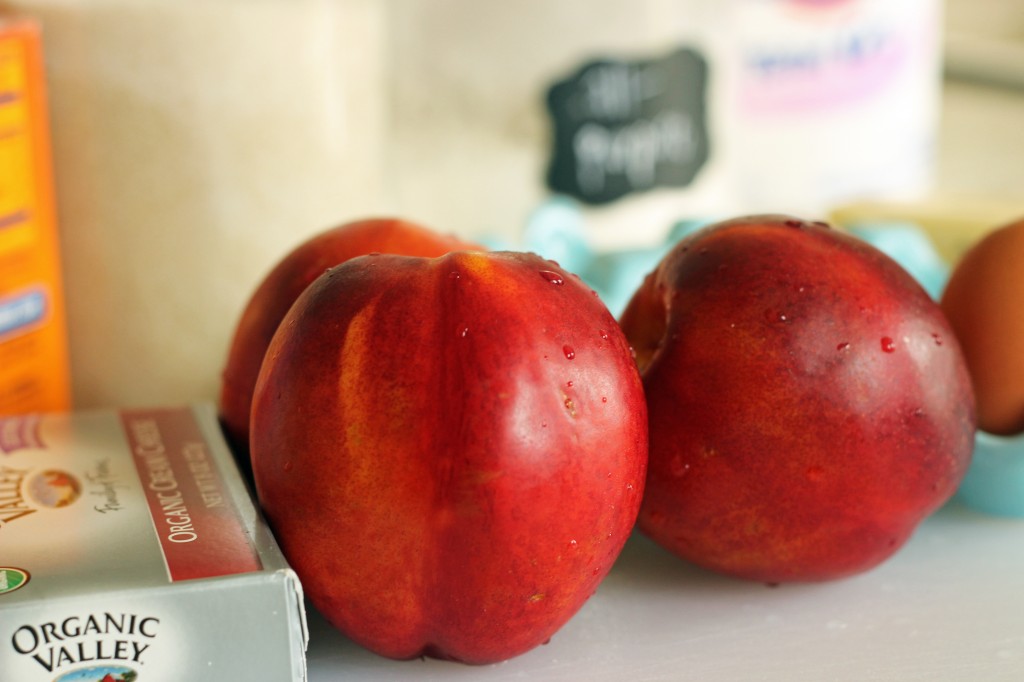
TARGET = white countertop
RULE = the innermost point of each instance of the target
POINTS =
(948, 606)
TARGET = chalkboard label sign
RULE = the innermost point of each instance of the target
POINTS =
(622, 127)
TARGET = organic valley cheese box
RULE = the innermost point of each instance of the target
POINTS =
(130, 549)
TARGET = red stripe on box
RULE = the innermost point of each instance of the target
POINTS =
(194, 516)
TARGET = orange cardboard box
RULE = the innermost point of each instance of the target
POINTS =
(34, 365)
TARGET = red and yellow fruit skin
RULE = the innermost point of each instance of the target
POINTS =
(450, 451)
(289, 278)
(808, 403)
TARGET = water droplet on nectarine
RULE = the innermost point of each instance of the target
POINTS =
(552, 277)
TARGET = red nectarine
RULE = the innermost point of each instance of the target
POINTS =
(450, 451)
(809, 404)
(287, 280)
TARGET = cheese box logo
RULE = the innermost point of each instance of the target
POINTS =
(53, 488)
(94, 647)
(20, 433)
(11, 579)
(24, 492)
(106, 673)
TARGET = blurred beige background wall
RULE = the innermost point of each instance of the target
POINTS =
(194, 144)
(197, 142)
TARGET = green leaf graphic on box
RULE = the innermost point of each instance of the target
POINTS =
(11, 579)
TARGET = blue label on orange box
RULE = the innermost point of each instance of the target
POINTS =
(22, 312)
(14, 218)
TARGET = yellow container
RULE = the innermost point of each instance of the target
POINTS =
(34, 366)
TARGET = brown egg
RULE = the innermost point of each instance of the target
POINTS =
(984, 301)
